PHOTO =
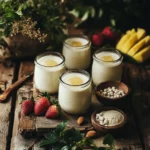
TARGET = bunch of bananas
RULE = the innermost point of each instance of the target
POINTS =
(136, 44)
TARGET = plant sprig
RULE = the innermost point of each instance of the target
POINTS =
(62, 138)
(50, 17)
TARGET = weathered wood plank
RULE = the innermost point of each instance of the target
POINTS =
(141, 103)
(24, 91)
(20, 143)
(136, 76)
(139, 79)
(6, 78)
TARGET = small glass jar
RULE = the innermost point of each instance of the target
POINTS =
(76, 50)
(75, 98)
(107, 65)
(48, 68)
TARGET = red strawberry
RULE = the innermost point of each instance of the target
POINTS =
(27, 106)
(110, 33)
(52, 112)
(97, 39)
(41, 106)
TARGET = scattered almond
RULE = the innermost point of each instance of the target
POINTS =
(80, 120)
(90, 133)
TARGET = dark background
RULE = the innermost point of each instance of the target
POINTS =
(126, 14)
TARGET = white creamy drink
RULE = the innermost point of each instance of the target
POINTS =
(107, 65)
(48, 68)
(75, 91)
(77, 52)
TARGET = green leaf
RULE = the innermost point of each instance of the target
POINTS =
(45, 142)
(75, 13)
(52, 136)
(72, 135)
(100, 13)
(57, 146)
(85, 16)
(65, 148)
(108, 139)
(113, 22)
(19, 11)
(92, 12)
(61, 127)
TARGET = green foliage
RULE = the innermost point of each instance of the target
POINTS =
(122, 14)
(50, 16)
(71, 139)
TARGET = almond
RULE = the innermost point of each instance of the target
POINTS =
(90, 133)
(80, 120)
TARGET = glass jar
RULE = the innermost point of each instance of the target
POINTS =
(107, 65)
(48, 68)
(75, 91)
(76, 50)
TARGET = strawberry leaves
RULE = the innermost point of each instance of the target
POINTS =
(52, 99)
(62, 138)
(54, 136)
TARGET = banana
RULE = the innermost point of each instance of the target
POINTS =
(140, 33)
(129, 43)
(142, 43)
(130, 31)
(124, 39)
(143, 54)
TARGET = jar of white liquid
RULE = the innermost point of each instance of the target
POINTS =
(107, 65)
(75, 91)
(48, 68)
(76, 50)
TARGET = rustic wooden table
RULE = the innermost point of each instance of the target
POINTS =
(14, 126)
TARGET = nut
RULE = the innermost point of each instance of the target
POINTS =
(90, 133)
(80, 120)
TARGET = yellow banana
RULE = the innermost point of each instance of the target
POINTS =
(142, 43)
(140, 33)
(143, 54)
(129, 43)
(124, 38)
(122, 41)
(130, 31)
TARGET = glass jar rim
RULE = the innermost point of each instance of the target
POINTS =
(113, 50)
(76, 71)
(78, 36)
(50, 53)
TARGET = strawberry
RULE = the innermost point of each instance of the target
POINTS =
(27, 106)
(41, 106)
(97, 39)
(52, 112)
(110, 33)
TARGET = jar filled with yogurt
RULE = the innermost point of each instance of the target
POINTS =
(76, 50)
(75, 91)
(48, 68)
(107, 65)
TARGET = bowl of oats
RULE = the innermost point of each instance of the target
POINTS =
(112, 93)
(108, 119)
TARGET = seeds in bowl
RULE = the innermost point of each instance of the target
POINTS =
(109, 118)
(112, 92)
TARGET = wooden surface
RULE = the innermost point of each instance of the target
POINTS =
(6, 109)
(135, 136)
(29, 126)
